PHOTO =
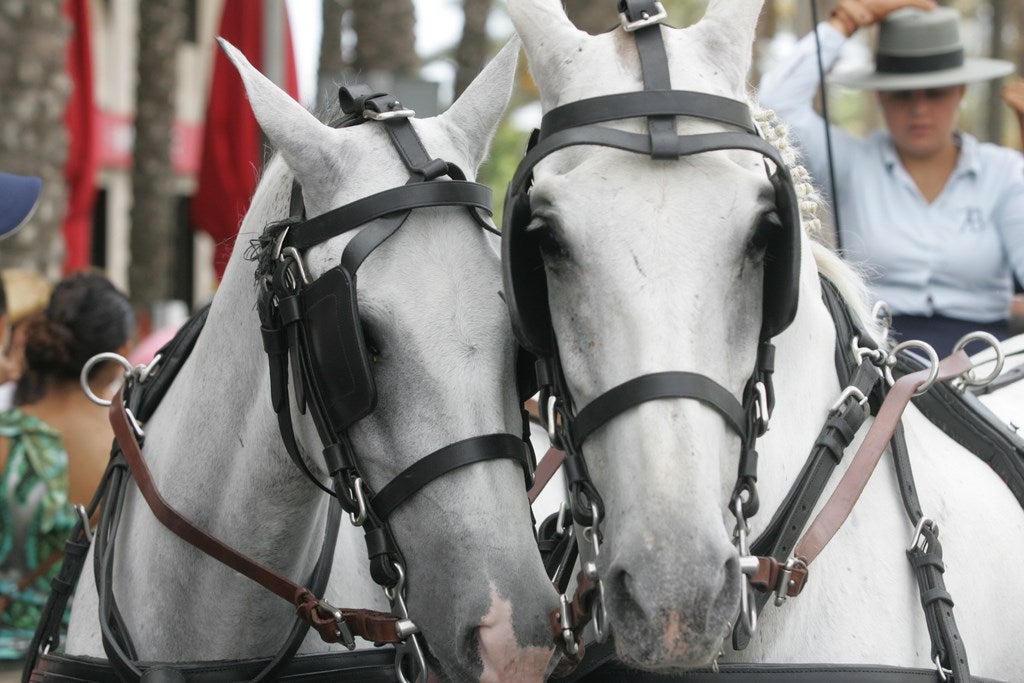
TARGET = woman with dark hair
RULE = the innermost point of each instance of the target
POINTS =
(55, 443)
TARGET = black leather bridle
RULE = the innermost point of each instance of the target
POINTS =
(578, 123)
(314, 327)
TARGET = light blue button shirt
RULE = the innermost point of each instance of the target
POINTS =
(950, 257)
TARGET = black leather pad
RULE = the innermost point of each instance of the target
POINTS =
(525, 282)
(334, 337)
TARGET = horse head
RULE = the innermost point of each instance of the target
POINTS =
(441, 352)
(650, 263)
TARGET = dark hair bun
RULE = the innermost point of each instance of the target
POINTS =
(49, 345)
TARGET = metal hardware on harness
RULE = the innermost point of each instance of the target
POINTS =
(343, 631)
(785, 580)
(396, 113)
(848, 392)
(645, 19)
(83, 517)
(83, 377)
(943, 672)
(968, 380)
(918, 540)
(568, 638)
(882, 313)
(408, 650)
(748, 607)
(358, 493)
(876, 356)
(933, 359)
(599, 613)
(552, 432)
(290, 255)
(764, 415)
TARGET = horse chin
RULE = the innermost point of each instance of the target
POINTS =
(669, 643)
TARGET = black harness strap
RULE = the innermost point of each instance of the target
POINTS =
(445, 460)
(654, 67)
(657, 386)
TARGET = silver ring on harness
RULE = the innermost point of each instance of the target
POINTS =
(83, 377)
(969, 380)
(933, 363)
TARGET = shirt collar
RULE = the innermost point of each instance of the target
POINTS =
(968, 162)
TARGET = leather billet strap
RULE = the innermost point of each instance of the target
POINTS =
(376, 626)
(654, 66)
(846, 494)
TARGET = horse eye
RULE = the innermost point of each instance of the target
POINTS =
(371, 344)
(769, 225)
(551, 247)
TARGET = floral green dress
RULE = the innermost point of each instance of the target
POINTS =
(35, 520)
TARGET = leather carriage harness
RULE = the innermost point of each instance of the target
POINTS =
(777, 561)
(312, 329)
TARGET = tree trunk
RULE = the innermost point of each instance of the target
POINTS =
(152, 271)
(385, 35)
(471, 55)
(332, 64)
(34, 90)
(994, 104)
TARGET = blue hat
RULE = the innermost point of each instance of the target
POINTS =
(18, 198)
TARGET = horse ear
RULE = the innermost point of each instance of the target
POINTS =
(476, 114)
(730, 26)
(547, 35)
(288, 126)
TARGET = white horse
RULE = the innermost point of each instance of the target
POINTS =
(656, 265)
(442, 362)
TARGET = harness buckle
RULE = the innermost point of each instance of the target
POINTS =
(645, 19)
(83, 517)
(849, 392)
(764, 415)
(398, 112)
(918, 540)
(782, 587)
(565, 620)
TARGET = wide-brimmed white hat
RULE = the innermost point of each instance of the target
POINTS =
(921, 49)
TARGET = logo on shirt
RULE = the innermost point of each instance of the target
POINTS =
(974, 220)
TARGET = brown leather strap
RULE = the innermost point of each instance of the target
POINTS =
(838, 507)
(770, 571)
(321, 616)
(546, 469)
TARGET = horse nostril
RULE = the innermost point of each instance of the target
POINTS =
(626, 593)
(471, 646)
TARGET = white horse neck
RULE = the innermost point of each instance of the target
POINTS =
(863, 577)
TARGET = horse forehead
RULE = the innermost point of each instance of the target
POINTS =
(610, 64)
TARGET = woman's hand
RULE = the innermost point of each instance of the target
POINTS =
(849, 15)
(1013, 95)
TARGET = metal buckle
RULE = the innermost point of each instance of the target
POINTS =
(343, 632)
(764, 416)
(968, 379)
(782, 587)
(292, 254)
(645, 19)
(409, 649)
(849, 392)
(398, 112)
(918, 540)
(358, 518)
(568, 639)
(83, 517)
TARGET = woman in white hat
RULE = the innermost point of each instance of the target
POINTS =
(935, 216)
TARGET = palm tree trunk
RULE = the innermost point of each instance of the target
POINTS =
(386, 40)
(471, 55)
(152, 273)
(34, 90)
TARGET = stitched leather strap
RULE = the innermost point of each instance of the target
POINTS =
(657, 386)
(838, 507)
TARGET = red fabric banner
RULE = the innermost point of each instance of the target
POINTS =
(232, 151)
(80, 120)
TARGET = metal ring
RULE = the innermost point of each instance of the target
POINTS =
(933, 359)
(358, 518)
(83, 377)
(968, 378)
(882, 313)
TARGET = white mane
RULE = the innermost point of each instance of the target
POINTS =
(842, 274)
